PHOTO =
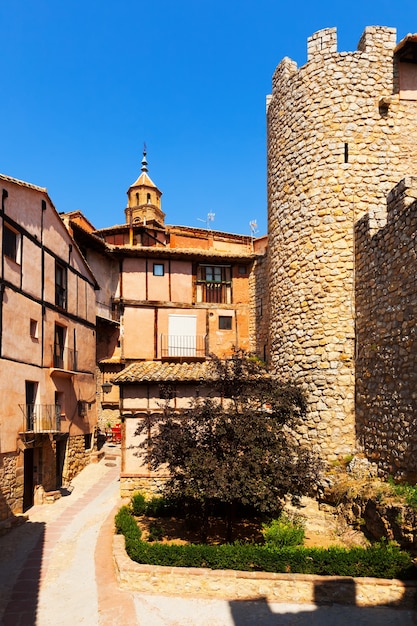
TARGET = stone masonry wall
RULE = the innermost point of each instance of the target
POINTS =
(76, 458)
(339, 138)
(11, 481)
(386, 363)
(259, 317)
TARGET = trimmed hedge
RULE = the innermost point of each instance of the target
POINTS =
(378, 561)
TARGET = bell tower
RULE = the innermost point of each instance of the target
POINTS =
(144, 200)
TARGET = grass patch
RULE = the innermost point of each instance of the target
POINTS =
(405, 491)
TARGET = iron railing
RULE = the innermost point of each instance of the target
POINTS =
(183, 346)
(64, 358)
(41, 418)
(215, 293)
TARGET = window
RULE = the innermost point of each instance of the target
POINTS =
(158, 269)
(214, 284)
(33, 329)
(59, 346)
(242, 269)
(11, 243)
(225, 322)
(82, 408)
(60, 285)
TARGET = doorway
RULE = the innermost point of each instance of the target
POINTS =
(28, 482)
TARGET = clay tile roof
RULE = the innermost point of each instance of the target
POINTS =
(157, 371)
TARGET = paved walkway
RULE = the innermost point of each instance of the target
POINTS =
(57, 569)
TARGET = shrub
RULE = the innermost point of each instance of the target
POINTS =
(138, 504)
(284, 531)
(382, 560)
(158, 506)
(126, 524)
(156, 532)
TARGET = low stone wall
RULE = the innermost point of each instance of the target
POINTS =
(150, 486)
(230, 584)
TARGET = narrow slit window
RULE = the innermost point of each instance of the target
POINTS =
(346, 153)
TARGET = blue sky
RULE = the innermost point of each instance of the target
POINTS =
(85, 83)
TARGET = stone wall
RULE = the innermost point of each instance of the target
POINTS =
(76, 457)
(265, 586)
(11, 481)
(150, 486)
(386, 361)
(259, 299)
(339, 138)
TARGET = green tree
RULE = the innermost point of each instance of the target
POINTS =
(236, 447)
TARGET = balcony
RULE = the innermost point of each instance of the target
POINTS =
(214, 293)
(64, 358)
(183, 346)
(41, 418)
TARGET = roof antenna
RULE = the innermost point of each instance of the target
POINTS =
(209, 218)
(253, 230)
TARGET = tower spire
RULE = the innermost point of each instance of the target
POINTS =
(144, 167)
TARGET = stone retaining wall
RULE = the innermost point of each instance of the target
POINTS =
(229, 584)
(150, 486)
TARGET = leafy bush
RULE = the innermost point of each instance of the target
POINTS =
(138, 503)
(156, 532)
(126, 524)
(284, 531)
(158, 506)
(377, 562)
(383, 560)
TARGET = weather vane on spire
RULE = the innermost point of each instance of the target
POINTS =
(144, 167)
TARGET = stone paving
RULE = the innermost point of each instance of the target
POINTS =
(57, 569)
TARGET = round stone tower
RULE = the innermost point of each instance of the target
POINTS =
(342, 131)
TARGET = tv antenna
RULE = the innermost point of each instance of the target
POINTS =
(209, 218)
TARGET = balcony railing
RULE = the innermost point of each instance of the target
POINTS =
(64, 358)
(183, 346)
(215, 293)
(41, 418)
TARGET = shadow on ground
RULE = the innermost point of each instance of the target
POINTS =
(324, 612)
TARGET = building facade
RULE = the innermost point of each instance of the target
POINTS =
(168, 294)
(342, 133)
(48, 407)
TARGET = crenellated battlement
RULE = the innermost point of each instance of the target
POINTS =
(321, 43)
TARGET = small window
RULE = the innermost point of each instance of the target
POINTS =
(60, 285)
(225, 322)
(242, 269)
(33, 329)
(82, 408)
(158, 269)
(11, 243)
